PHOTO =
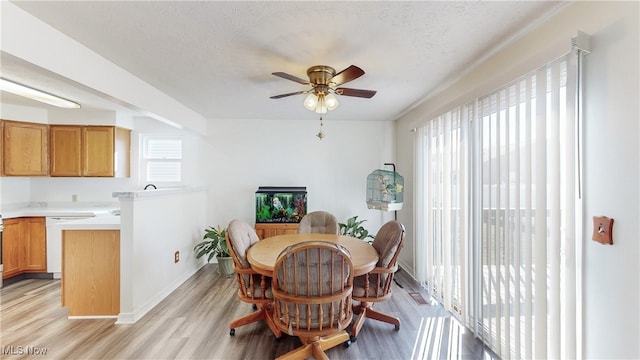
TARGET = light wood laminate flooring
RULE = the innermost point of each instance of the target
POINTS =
(193, 323)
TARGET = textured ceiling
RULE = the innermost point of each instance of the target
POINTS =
(216, 57)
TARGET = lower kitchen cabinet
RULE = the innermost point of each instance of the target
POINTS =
(24, 246)
(91, 272)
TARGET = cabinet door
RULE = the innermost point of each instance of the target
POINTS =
(13, 250)
(98, 150)
(35, 244)
(91, 272)
(25, 148)
(65, 145)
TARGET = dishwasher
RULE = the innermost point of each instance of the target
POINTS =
(54, 243)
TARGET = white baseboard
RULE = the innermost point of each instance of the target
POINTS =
(137, 314)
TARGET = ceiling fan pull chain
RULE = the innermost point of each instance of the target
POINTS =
(320, 134)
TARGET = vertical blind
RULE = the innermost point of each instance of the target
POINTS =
(496, 214)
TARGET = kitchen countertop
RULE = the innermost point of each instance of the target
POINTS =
(157, 192)
(98, 222)
(61, 209)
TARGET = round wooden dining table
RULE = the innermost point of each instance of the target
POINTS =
(263, 254)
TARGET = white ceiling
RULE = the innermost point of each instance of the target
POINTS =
(216, 57)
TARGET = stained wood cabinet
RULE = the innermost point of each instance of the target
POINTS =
(268, 230)
(91, 272)
(12, 249)
(65, 150)
(24, 246)
(92, 151)
(25, 148)
(35, 244)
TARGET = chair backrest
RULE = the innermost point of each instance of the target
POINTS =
(312, 287)
(252, 287)
(319, 222)
(388, 242)
(376, 285)
(240, 236)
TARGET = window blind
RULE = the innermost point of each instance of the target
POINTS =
(497, 213)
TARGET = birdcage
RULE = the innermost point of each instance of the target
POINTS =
(385, 190)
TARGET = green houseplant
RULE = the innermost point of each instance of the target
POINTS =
(214, 243)
(353, 227)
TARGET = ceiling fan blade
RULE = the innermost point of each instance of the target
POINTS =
(292, 78)
(351, 73)
(288, 94)
(356, 92)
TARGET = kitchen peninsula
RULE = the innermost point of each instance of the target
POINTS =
(91, 266)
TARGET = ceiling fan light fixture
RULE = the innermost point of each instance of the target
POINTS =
(331, 101)
(311, 102)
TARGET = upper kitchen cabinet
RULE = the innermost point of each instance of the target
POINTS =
(91, 151)
(24, 148)
(65, 150)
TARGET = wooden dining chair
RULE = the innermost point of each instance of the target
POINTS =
(319, 222)
(375, 286)
(312, 287)
(253, 288)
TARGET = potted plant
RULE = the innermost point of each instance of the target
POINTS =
(214, 243)
(354, 228)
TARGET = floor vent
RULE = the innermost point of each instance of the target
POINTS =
(418, 298)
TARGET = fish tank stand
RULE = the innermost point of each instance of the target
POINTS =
(268, 230)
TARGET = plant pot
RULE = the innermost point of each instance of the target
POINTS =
(225, 265)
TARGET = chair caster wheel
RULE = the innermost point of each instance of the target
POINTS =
(347, 343)
(232, 332)
(352, 338)
(397, 327)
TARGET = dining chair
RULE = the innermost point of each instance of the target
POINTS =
(312, 287)
(375, 286)
(319, 222)
(253, 288)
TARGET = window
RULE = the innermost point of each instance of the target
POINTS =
(162, 159)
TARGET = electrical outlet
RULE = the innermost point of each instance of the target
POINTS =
(176, 257)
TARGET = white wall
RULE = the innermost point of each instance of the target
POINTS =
(611, 294)
(152, 229)
(240, 156)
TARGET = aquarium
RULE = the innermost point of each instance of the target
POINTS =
(280, 204)
(385, 190)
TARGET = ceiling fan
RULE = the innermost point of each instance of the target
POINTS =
(324, 82)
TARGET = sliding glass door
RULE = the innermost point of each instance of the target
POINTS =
(496, 217)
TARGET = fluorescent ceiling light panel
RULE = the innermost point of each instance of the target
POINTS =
(31, 93)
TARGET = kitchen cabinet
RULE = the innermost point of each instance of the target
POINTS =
(91, 272)
(35, 244)
(12, 249)
(24, 246)
(268, 230)
(25, 148)
(65, 150)
(91, 151)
